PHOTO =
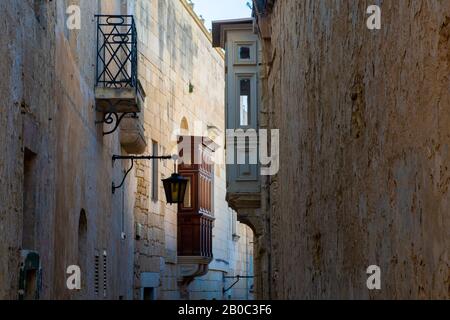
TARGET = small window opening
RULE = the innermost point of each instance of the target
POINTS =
(244, 53)
(244, 101)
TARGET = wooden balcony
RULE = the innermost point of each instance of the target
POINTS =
(196, 214)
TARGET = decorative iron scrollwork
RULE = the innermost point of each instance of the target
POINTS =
(113, 117)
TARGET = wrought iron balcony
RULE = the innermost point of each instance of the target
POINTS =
(116, 52)
(117, 88)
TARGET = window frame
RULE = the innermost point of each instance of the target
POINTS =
(155, 173)
(252, 48)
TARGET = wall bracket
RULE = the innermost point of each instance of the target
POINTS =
(113, 117)
(238, 278)
(133, 158)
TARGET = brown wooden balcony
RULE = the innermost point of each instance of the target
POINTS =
(196, 213)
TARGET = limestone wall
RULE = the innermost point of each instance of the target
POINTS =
(243, 264)
(183, 78)
(24, 103)
(48, 109)
(364, 151)
(84, 170)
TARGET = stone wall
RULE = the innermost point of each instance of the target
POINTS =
(243, 264)
(364, 151)
(48, 125)
(84, 170)
(25, 121)
(48, 118)
(183, 78)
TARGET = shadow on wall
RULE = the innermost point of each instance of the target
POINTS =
(168, 38)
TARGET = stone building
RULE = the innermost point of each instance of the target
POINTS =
(61, 91)
(184, 77)
(364, 148)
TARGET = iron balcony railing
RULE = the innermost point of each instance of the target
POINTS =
(117, 56)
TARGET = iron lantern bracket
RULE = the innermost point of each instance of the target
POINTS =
(134, 158)
(238, 278)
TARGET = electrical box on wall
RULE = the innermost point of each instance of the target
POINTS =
(29, 275)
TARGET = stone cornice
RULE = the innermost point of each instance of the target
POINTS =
(201, 25)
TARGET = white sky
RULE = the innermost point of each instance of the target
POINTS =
(221, 9)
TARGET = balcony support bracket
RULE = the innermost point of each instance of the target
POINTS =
(113, 117)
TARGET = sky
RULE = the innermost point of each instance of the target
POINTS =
(221, 10)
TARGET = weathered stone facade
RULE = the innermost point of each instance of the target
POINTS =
(364, 125)
(56, 169)
(58, 165)
(184, 77)
(158, 58)
(19, 99)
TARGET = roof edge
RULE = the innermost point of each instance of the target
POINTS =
(218, 29)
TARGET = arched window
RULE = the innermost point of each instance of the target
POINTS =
(184, 127)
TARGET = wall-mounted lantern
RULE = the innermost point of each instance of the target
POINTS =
(174, 187)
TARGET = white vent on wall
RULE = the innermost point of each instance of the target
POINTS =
(105, 275)
(96, 273)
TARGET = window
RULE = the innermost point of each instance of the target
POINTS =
(29, 200)
(31, 285)
(149, 294)
(244, 53)
(244, 101)
(82, 244)
(155, 180)
(187, 198)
